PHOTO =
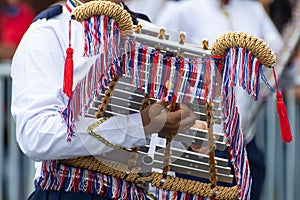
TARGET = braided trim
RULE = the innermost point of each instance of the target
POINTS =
(91, 131)
(170, 183)
(211, 144)
(91, 163)
(257, 46)
(107, 8)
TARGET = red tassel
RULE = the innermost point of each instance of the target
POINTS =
(283, 119)
(285, 129)
(68, 73)
(69, 68)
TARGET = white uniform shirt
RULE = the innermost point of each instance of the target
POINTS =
(151, 8)
(37, 97)
(205, 19)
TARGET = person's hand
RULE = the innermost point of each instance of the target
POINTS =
(203, 149)
(158, 119)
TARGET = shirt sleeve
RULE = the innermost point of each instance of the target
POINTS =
(37, 100)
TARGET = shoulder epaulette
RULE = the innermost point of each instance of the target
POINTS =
(135, 16)
(49, 12)
(142, 16)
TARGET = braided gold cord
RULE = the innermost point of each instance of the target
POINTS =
(170, 182)
(169, 138)
(211, 144)
(91, 163)
(156, 181)
(107, 8)
(182, 183)
(144, 178)
(227, 193)
(91, 131)
(133, 174)
(177, 183)
(257, 46)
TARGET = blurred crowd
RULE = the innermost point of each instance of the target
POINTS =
(15, 18)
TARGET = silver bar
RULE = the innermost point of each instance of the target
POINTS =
(182, 165)
(201, 142)
(188, 49)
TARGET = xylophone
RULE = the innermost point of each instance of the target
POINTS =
(136, 67)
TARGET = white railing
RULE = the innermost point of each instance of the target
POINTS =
(282, 162)
(16, 170)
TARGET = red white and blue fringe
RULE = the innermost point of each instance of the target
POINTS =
(56, 176)
(102, 38)
(241, 69)
(170, 78)
(165, 77)
(173, 195)
(158, 75)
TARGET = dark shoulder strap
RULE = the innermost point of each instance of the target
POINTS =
(49, 12)
(135, 16)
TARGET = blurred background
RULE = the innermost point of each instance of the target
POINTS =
(281, 160)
